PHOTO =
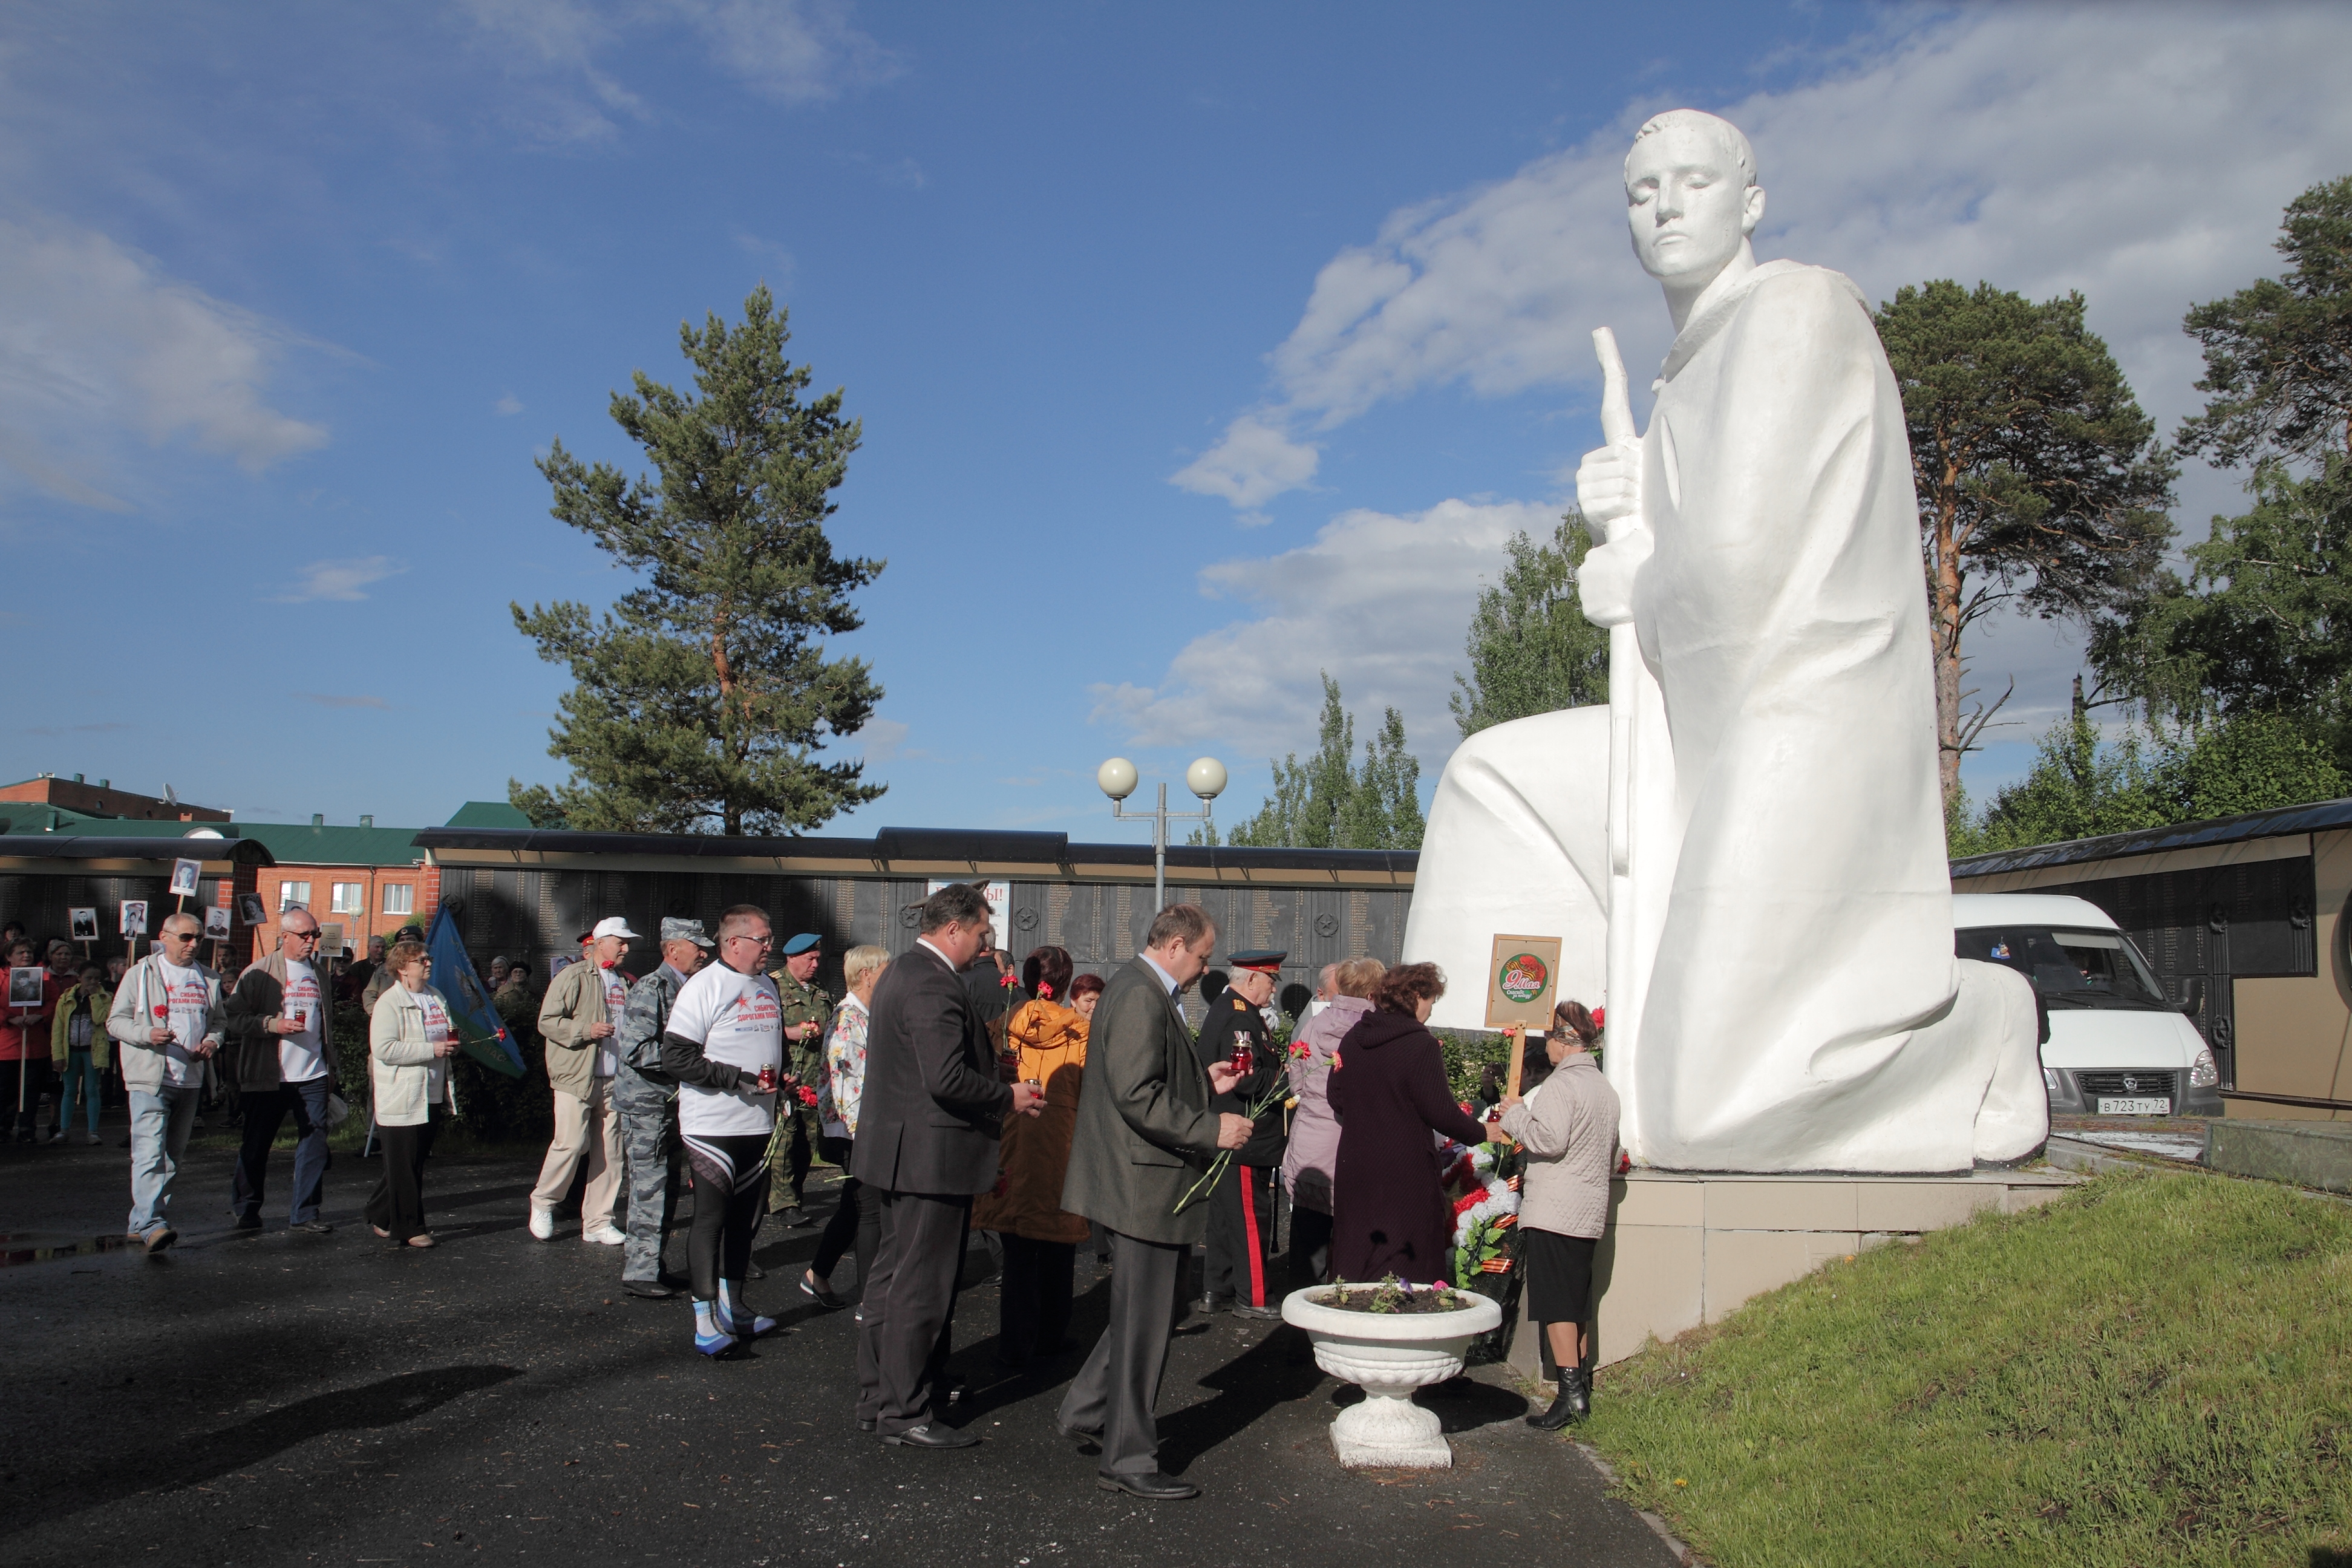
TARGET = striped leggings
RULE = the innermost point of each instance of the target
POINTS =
(731, 1184)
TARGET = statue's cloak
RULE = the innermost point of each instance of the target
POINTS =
(1803, 1009)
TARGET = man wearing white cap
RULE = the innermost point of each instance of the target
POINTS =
(578, 1022)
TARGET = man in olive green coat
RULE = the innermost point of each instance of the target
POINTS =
(807, 1013)
(1146, 1133)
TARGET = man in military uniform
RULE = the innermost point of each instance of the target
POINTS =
(646, 1098)
(808, 1013)
(1241, 1207)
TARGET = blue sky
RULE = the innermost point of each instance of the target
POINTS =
(1197, 350)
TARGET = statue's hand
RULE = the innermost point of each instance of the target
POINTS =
(1609, 485)
(1605, 582)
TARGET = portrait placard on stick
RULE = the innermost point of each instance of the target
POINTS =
(1521, 977)
(215, 923)
(84, 924)
(330, 937)
(25, 988)
(184, 876)
(251, 910)
(135, 917)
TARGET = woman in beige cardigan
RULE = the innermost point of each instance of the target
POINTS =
(410, 1042)
(1568, 1125)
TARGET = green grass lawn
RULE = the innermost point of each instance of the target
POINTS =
(2150, 1371)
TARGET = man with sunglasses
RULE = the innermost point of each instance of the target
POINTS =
(167, 1016)
(284, 1062)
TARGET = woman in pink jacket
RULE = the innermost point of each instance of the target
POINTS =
(1313, 1147)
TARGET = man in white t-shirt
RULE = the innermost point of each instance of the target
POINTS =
(724, 1047)
(577, 1023)
(167, 1017)
(284, 1060)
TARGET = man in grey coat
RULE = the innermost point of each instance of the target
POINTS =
(1146, 1133)
(928, 1125)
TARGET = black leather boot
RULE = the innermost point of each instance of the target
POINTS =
(1573, 1403)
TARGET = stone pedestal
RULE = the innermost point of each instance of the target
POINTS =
(1685, 1249)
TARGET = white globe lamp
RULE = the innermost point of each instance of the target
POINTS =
(1117, 778)
(1207, 777)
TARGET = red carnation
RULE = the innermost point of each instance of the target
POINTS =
(1600, 1017)
(808, 1095)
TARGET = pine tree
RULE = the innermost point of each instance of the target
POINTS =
(1531, 650)
(2039, 479)
(703, 695)
(2262, 624)
(2278, 354)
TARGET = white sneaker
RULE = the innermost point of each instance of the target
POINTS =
(605, 1235)
(542, 1222)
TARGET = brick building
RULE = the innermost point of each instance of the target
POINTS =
(102, 799)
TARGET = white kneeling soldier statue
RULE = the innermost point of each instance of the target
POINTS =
(1765, 844)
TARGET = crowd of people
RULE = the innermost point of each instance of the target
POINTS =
(1047, 1109)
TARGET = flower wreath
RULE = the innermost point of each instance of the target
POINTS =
(1485, 1204)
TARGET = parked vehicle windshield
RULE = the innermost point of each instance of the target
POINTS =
(2069, 968)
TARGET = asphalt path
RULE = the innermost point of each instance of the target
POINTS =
(296, 1399)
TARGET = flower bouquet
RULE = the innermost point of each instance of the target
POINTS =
(1482, 1189)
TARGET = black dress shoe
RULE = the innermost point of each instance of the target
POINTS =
(865, 1424)
(651, 1289)
(1264, 1314)
(1573, 1403)
(313, 1227)
(1153, 1488)
(245, 1222)
(792, 1218)
(822, 1295)
(1209, 1306)
(929, 1436)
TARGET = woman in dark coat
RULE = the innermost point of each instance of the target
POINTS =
(1387, 1089)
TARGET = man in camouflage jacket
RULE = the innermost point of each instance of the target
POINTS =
(646, 1098)
(808, 1013)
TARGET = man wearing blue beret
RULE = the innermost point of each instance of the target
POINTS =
(808, 1013)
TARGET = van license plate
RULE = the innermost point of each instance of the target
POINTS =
(2143, 1106)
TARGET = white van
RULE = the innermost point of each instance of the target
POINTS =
(2116, 1047)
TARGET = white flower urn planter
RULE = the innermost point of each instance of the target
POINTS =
(1388, 1356)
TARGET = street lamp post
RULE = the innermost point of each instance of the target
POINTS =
(1206, 777)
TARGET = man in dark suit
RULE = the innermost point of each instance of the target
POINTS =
(926, 1136)
(1146, 1133)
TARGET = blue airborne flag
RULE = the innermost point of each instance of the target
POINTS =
(480, 1030)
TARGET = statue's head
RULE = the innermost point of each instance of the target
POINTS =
(1691, 196)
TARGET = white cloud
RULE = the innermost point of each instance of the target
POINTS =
(795, 51)
(1379, 601)
(798, 51)
(96, 343)
(879, 740)
(1253, 463)
(2140, 155)
(338, 579)
(509, 403)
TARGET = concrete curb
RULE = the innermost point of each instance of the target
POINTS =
(2092, 1159)
(1607, 1474)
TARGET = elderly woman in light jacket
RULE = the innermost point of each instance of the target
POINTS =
(1313, 1147)
(411, 1037)
(1568, 1125)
